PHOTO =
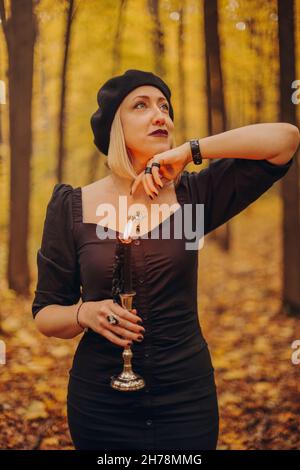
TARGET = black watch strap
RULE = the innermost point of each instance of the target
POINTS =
(196, 153)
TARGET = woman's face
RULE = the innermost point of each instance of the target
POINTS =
(142, 115)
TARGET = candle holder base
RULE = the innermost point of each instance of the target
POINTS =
(127, 380)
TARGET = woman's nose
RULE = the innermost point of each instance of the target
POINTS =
(160, 117)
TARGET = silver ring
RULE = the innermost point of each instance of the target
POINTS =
(112, 319)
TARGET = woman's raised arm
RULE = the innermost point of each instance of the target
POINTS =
(276, 142)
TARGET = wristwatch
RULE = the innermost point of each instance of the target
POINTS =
(196, 153)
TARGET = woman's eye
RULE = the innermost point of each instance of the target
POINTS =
(141, 102)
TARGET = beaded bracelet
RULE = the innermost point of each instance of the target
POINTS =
(84, 329)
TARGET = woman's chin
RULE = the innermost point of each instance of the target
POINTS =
(160, 147)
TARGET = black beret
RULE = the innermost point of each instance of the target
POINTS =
(110, 96)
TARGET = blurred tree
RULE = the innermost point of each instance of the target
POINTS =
(289, 185)
(62, 111)
(94, 158)
(157, 39)
(116, 53)
(256, 41)
(20, 31)
(216, 112)
(181, 75)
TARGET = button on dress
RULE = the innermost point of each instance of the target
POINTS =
(178, 408)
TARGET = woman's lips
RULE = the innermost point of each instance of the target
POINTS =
(159, 135)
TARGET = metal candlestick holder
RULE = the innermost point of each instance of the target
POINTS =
(127, 380)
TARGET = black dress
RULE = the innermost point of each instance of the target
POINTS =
(178, 409)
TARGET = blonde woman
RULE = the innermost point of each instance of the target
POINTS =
(134, 127)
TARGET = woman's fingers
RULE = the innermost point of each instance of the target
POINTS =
(126, 328)
(168, 169)
(125, 325)
(171, 163)
(150, 179)
(125, 333)
(147, 183)
(123, 313)
(156, 175)
(115, 339)
(136, 182)
(128, 323)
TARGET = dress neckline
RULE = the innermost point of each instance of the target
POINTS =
(79, 212)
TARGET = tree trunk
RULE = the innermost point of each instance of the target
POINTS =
(62, 113)
(216, 112)
(181, 76)
(157, 39)
(116, 54)
(20, 31)
(289, 184)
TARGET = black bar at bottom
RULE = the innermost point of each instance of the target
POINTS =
(134, 459)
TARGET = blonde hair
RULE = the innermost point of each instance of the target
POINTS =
(118, 159)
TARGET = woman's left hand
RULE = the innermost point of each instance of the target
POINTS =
(171, 162)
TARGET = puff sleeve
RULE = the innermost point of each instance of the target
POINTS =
(229, 185)
(58, 271)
